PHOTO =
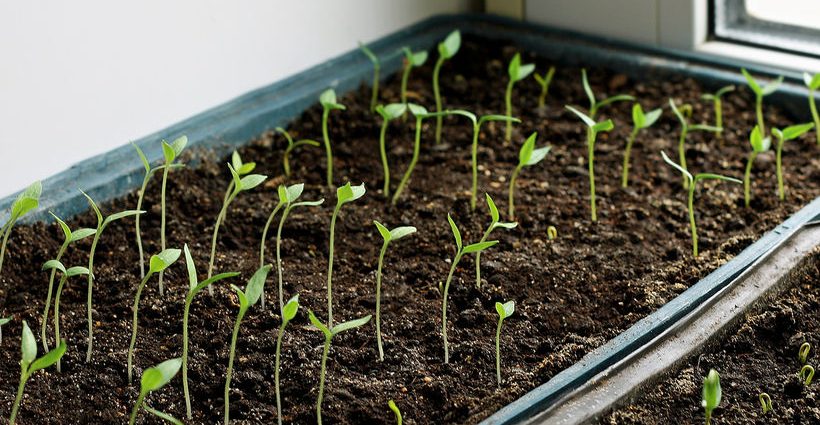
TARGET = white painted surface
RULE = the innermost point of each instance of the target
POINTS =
(83, 77)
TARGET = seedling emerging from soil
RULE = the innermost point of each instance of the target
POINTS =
(807, 374)
(157, 264)
(759, 144)
(552, 232)
(251, 295)
(504, 310)
(517, 72)
(593, 129)
(328, 101)
(102, 223)
(29, 363)
(803, 352)
(788, 133)
(640, 121)
(692, 183)
(28, 200)
(194, 287)
(813, 83)
(711, 394)
(291, 146)
(153, 379)
(3, 322)
(595, 105)
(446, 50)
(288, 313)
(392, 405)
(494, 224)
(329, 333)
(55, 265)
(544, 81)
(684, 113)
(374, 97)
(717, 101)
(460, 251)
(170, 152)
(765, 403)
(527, 156)
(760, 92)
(344, 194)
(388, 113)
(411, 60)
(388, 236)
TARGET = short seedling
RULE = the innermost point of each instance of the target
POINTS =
(552, 232)
(495, 223)
(544, 81)
(446, 50)
(102, 223)
(251, 295)
(420, 113)
(288, 312)
(813, 83)
(760, 92)
(759, 144)
(640, 121)
(156, 264)
(765, 403)
(516, 72)
(26, 201)
(388, 236)
(153, 379)
(344, 195)
(504, 310)
(392, 405)
(374, 97)
(411, 60)
(594, 105)
(711, 394)
(806, 374)
(788, 133)
(692, 183)
(194, 287)
(527, 156)
(55, 265)
(29, 364)
(717, 102)
(291, 146)
(3, 321)
(684, 113)
(803, 352)
(329, 103)
(329, 333)
(388, 113)
(460, 252)
(593, 128)
(170, 152)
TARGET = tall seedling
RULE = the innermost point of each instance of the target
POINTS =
(55, 265)
(544, 82)
(813, 83)
(788, 133)
(760, 92)
(344, 195)
(446, 50)
(170, 152)
(759, 144)
(411, 60)
(388, 236)
(516, 72)
(527, 156)
(495, 223)
(504, 311)
(640, 121)
(374, 97)
(685, 128)
(26, 201)
(421, 114)
(388, 113)
(29, 364)
(153, 379)
(593, 128)
(329, 103)
(288, 312)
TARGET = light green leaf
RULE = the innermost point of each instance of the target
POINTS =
(506, 309)
(257, 284)
(28, 346)
(162, 415)
(77, 271)
(328, 100)
(772, 86)
(319, 325)
(449, 47)
(514, 67)
(504, 225)
(471, 116)
(236, 161)
(638, 117)
(193, 279)
(751, 81)
(538, 155)
(812, 81)
(49, 358)
(168, 152)
(5, 320)
(494, 215)
(603, 126)
(308, 142)
(145, 163)
(712, 393)
(383, 231)
(584, 117)
(28, 200)
(246, 168)
(525, 154)
(237, 181)
(394, 110)
(710, 176)
(456, 232)
(204, 284)
(369, 53)
(348, 193)
(651, 117)
(492, 117)
(290, 309)
(350, 324)
(684, 122)
(417, 109)
(402, 231)
(724, 90)
(587, 90)
(163, 260)
(525, 70)
(293, 192)
(617, 98)
(54, 264)
(677, 167)
(758, 142)
(178, 145)
(158, 376)
(82, 233)
(93, 207)
(243, 299)
(308, 203)
(480, 246)
(66, 230)
(704, 127)
(419, 58)
(120, 215)
(795, 131)
(251, 181)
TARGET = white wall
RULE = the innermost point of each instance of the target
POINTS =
(79, 78)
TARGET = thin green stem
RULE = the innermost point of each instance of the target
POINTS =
(747, 179)
(137, 223)
(219, 219)
(60, 253)
(57, 314)
(136, 409)
(230, 365)
(286, 160)
(19, 397)
(508, 105)
(188, 299)
(437, 95)
(719, 116)
(279, 257)
(330, 267)
(405, 75)
(162, 222)
(6, 233)
(478, 257)
(90, 294)
(759, 113)
(778, 161)
(413, 161)
(383, 152)
(276, 373)
(379, 300)
(511, 199)
(498, 351)
(708, 417)
(693, 228)
(322, 381)
(444, 306)
(627, 153)
(474, 191)
(135, 311)
(591, 164)
(328, 152)
(682, 152)
(814, 115)
(265, 233)
(374, 98)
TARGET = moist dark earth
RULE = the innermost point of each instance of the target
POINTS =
(572, 293)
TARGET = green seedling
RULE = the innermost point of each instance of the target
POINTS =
(460, 252)
(388, 113)
(55, 265)
(344, 195)
(803, 352)
(170, 152)
(806, 374)
(102, 223)
(157, 264)
(552, 232)
(765, 403)
(760, 92)
(692, 183)
(329, 333)
(717, 102)
(527, 156)
(593, 128)
(517, 72)
(595, 105)
(392, 405)
(251, 295)
(29, 364)
(153, 379)
(504, 310)
(420, 113)
(544, 82)
(194, 287)
(759, 144)
(26, 201)
(477, 122)
(388, 236)
(813, 83)
(640, 121)
(328, 101)
(446, 50)
(411, 60)
(711, 394)
(291, 146)
(3, 322)
(374, 97)
(70, 237)
(288, 312)
(684, 113)
(788, 133)
(495, 223)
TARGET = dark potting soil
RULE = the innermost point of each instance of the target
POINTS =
(572, 293)
(759, 356)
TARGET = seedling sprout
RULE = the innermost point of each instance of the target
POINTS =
(544, 81)
(170, 152)
(717, 102)
(55, 265)
(29, 364)
(595, 105)
(593, 129)
(328, 101)
(759, 144)
(504, 310)
(388, 113)
(495, 223)
(344, 195)
(683, 115)
(552, 232)
(411, 60)
(153, 379)
(517, 72)
(392, 405)
(527, 156)
(803, 352)
(388, 236)
(420, 113)
(374, 97)
(288, 312)
(26, 201)
(640, 121)
(788, 133)
(813, 83)
(446, 50)
(291, 146)
(765, 403)
(711, 394)
(806, 374)
(760, 92)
